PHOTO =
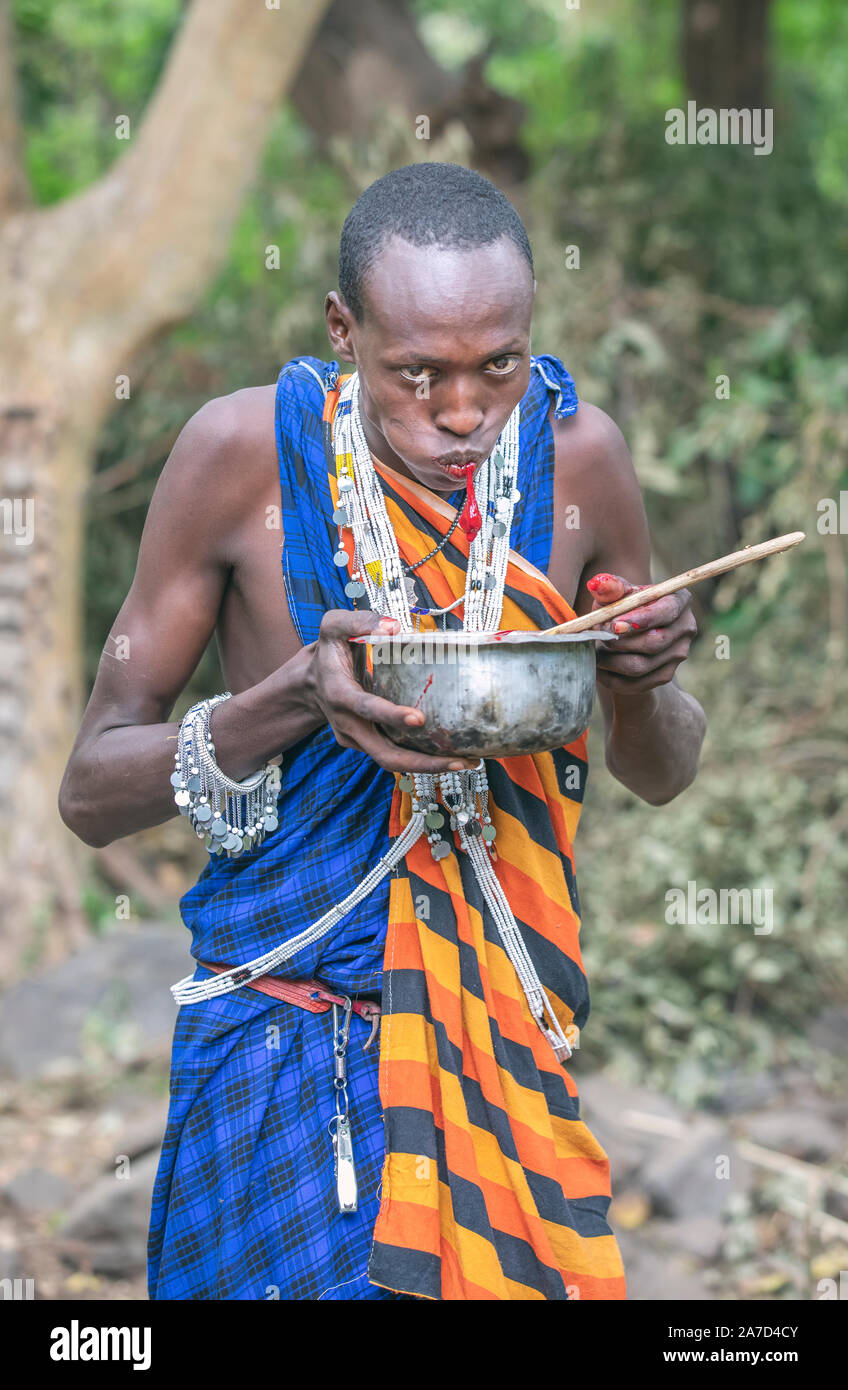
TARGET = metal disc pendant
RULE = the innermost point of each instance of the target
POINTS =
(354, 588)
(271, 823)
(433, 820)
(182, 799)
(498, 459)
(219, 830)
(489, 832)
(232, 841)
(411, 594)
(489, 582)
(473, 827)
(204, 814)
(340, 558)
(406, 783)
(440, 850)
(340, 517)
(345, 483)
(499, 529)
(176, 779)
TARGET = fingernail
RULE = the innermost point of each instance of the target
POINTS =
(456, 767)
(621, 627)
(413, 719)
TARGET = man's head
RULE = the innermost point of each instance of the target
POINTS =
(435, 298)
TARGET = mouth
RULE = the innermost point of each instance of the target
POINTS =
(457, 469)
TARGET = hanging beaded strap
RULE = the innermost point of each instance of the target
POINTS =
(231, 817)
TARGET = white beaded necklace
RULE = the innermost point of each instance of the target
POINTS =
(377, 566)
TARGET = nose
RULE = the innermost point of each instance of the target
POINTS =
(459, 413)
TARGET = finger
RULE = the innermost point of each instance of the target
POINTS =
(660, 613)
(338, 624)
(634, 665)
(373, 709)
(653, 639)
(369, 740)
(608, 588)
(627, 685)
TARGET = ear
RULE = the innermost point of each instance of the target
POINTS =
(341, 327)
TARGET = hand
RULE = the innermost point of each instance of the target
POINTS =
(654, 641)
(352, 712)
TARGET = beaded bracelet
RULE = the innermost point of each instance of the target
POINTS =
(231, 817)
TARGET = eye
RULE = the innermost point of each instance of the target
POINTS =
(504, 365)
(415, 371)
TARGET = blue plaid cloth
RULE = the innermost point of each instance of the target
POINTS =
(244, 1202)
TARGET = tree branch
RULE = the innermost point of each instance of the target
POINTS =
(136, 250)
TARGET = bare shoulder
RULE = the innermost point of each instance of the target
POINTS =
(238, 427)
(594, 469)
(590, 439)
(224, 458)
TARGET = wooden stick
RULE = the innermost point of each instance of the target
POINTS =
(601, 616)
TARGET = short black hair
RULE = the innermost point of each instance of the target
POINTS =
(426, 205)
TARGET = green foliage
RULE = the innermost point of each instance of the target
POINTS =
(81, 64)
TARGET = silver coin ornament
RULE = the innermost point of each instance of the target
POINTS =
(354, 588)
(440, 850)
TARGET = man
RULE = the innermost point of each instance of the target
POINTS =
(475, 1176)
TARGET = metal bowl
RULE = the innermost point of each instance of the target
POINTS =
(484, 697)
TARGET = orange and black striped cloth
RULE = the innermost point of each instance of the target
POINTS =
(493, 1187)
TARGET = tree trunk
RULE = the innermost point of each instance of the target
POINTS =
(369, 56)
(83, 285)
(725, 52)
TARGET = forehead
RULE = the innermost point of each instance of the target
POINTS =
(415, 294)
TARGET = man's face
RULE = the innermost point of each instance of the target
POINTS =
(443, 354)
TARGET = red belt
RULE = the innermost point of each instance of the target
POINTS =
(307, 994)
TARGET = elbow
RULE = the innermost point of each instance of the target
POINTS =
(662, 796)
(74, 810)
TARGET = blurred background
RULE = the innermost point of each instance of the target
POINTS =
(173, 180)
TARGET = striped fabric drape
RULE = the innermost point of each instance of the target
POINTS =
(493, 1187)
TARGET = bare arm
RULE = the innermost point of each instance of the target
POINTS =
(117, 778)
(654, 730)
